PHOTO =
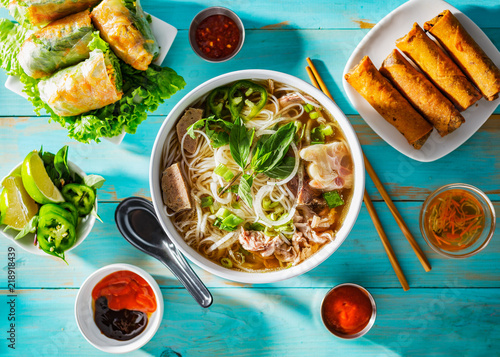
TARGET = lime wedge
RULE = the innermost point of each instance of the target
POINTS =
(16, 206)
(37, 182)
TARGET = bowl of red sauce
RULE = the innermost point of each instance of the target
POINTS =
(457, 220)
(216, 34)
(119, 308)
(348, 311)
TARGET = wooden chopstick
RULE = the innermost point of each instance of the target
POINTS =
(373, 214)
(378, 184)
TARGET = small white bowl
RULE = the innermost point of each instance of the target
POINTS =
(82, 230)
(240, 276)
(84, 312)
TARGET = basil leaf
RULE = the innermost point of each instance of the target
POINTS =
(94, 181)
(30, 227)
(283, 169)
(245, 189)
(217, 130)
(240, 141)
(270, 152)
(61, 163)
(198, 125)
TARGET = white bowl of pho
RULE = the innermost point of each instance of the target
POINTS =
(257, 176)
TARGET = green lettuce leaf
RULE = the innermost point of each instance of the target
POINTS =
(12, 37)
(143, 91)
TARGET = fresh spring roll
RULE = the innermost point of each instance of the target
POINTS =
(441, 70)
(388, 102)
(91, 84)
(61, 44)
(39, 13)
(466, 52)
(125, 27)
(421, 93)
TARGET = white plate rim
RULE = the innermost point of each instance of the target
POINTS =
(436, 147)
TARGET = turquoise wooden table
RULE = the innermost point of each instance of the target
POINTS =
(454, 310)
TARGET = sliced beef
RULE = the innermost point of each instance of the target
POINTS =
(176, 195)
(191, 116)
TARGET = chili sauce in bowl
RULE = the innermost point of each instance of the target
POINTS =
(216, 34)
(119, 308)
(457, 220)
(348, 311)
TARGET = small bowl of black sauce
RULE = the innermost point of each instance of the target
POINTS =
(119, 308)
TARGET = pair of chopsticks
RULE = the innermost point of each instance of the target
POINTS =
(318, 83)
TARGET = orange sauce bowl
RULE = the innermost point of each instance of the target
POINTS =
(348, 311)
(457, 220)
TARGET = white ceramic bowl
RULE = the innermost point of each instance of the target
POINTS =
(256, 278)
(82, 231)
(84, 312)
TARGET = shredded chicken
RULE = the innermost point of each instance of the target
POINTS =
(328, 167)
(255, 241)
(293, 98)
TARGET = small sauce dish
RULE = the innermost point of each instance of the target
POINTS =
(84, 312)
(348, 311)
(216, 34)
(457, 220)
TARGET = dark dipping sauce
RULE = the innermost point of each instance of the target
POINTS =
(217, 36)
(121, 325)
(123, 302)
(346, 310)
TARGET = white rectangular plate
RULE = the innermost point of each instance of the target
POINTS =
(380, 41)
(164, 34)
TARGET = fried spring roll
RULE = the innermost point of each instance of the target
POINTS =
(91, 84)
(441, 70)
(388, 102)
(61, 44)
(466, 52)
(421, 93)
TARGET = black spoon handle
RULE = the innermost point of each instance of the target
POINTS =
(172, 258)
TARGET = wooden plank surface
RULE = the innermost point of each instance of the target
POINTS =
(451, 311)
(278, 322)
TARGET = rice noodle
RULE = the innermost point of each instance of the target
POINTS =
(197, 225)
(260, 212)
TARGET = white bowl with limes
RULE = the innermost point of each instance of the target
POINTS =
(27, 243)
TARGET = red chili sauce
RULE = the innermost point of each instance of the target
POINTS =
(217, 36)
(347, 310)
(123, 302)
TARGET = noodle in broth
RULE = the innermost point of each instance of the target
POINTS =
(299, 202)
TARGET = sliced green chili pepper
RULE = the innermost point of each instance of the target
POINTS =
(58, 210)
(81, 196)
(216, 101)
(246, 92)
(69, 207)
(55, 234)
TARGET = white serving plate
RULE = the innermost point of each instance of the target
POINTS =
(164, 34)
(380, 41)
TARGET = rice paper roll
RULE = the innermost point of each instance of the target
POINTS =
(388, 102)
(441, 70)
(466, 52)
(421, 93)
(125, 27)
(91, 84)
(61, 44)
(39, 13)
